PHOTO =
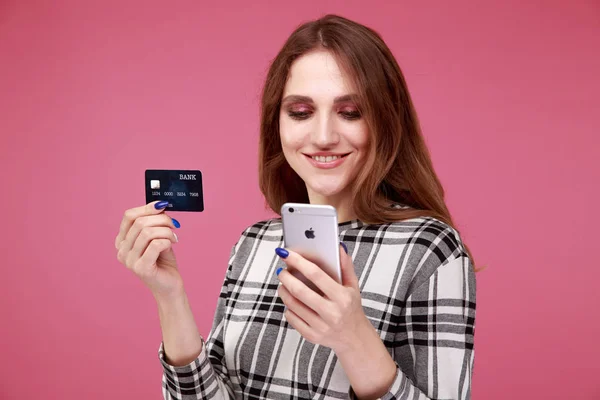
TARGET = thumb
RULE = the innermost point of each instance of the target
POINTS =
(168, 257)
(349, 277)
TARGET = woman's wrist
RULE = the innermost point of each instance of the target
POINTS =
(367, 363)
(181, 339)
(355, 339)
(170, 300)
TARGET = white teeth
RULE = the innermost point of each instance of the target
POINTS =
(325, 158)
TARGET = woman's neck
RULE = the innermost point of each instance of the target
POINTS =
(341, 202)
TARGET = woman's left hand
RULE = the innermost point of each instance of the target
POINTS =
(335, 319)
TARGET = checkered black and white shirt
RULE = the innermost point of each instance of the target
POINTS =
(418, 290)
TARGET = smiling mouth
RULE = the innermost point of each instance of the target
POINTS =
(325, 159)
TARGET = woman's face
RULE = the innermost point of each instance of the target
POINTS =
(323, 134)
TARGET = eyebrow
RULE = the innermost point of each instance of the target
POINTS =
(305, 99)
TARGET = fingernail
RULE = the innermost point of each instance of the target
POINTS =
(176, 223)
(344, 246)
(283, 253)
(278, 271)
(161, 205)
(176, 238)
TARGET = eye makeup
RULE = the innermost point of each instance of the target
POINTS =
(302, 111)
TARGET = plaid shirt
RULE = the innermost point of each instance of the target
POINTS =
(418, 290)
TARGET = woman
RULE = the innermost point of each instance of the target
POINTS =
(338, 127)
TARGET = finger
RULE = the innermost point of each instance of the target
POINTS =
(298, 324)
(300, 291)
(313, 273)
(349, 277)
(311, 318)
(148, 234)
(142, 266)
(145, 222)
(133, 213)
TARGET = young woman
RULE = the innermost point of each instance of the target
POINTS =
(338, 127)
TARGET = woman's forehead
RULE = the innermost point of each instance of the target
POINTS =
(318, 75)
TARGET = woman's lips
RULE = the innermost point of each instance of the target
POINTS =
(327, 164)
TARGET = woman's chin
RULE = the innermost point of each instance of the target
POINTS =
(327, 191)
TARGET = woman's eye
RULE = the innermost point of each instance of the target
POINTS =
(350, 115)
(299, 114)
(302, 115)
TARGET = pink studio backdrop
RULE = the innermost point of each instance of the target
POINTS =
(93, 93)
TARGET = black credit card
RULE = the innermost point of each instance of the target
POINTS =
(181, 188)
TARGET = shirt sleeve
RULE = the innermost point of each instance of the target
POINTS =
(434, 345)
(207, 376)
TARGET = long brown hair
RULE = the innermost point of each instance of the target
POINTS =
(398, 167)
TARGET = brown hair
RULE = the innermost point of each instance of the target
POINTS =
(398, 166)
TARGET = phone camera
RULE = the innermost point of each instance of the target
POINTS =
(291, 210)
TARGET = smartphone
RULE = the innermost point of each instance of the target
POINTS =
(312, 231)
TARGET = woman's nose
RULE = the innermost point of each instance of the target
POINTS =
(324, 134)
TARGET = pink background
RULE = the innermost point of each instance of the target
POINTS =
(93, 93)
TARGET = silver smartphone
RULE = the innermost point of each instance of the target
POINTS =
(312, 231)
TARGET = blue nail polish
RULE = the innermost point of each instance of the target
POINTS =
(161, 204)
(344, 246)
(176, 223)
(283, 253)
(278, 271)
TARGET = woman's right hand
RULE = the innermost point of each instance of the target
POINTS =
(144, 245)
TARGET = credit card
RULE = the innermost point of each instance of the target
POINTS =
(181, 188)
